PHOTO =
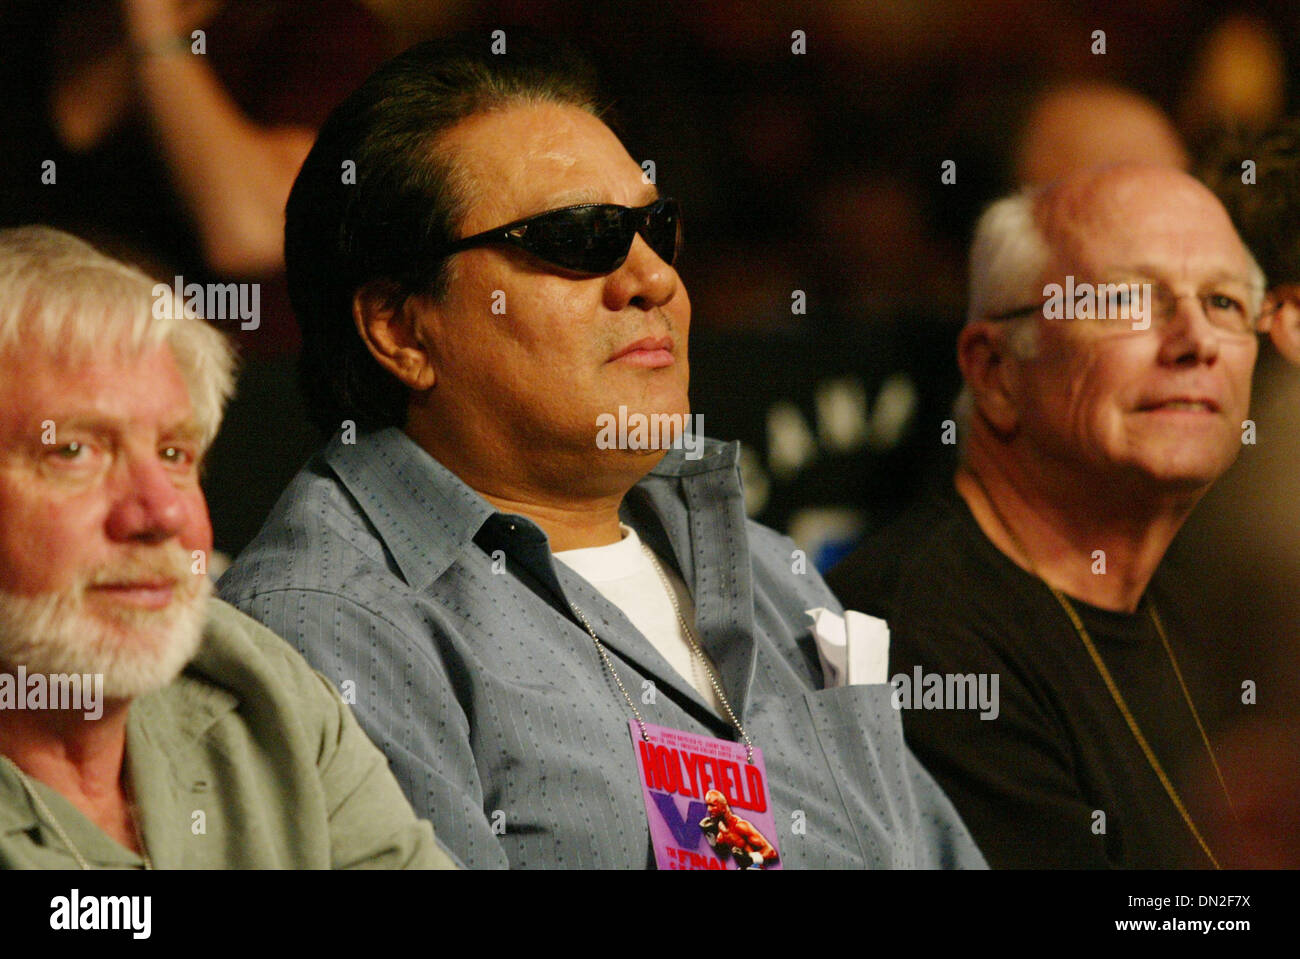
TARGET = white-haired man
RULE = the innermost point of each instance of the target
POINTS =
(1094, 428)
(143, 723)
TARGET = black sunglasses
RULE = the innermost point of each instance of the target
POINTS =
(592, 238)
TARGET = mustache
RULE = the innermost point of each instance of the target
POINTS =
(636, 329)
(167, 562)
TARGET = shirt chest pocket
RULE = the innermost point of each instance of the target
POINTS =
(861, 737)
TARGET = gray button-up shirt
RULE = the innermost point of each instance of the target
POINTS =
(451, 626)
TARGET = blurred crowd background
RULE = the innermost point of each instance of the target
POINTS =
(830, 179)
(831, 159)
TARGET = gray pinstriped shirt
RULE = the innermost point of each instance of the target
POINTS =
(450, 622)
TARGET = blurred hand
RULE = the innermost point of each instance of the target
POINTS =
(153, 20)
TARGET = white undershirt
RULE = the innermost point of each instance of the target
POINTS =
(625, 575)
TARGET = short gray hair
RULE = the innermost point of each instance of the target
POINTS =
(62, 298)
(1008, 258)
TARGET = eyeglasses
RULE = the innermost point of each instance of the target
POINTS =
(1120, 307)
(593, 238)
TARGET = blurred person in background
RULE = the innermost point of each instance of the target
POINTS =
(1083, 124)
(1242, 545)
(172, 130)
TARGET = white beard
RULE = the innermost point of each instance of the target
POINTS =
(137, 651)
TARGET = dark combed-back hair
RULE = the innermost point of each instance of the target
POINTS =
(391, 224)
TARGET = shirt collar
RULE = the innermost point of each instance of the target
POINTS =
(16, 813)
(161, 725)
(713, 455)
(424, 514)
(427, 516)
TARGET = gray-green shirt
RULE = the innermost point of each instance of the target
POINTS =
(249, 760)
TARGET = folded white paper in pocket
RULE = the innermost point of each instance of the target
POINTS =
(854, 648)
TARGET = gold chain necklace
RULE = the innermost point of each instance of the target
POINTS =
(1077, 622)
(30, 788)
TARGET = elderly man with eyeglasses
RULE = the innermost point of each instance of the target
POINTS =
(1094, 426)
(563, 639)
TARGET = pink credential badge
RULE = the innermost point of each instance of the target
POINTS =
(708, 806)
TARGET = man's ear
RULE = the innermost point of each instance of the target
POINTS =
(1283, 303)
(388, 323)
(986, 367)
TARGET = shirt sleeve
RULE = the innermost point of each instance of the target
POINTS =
(404, 701)
(372, 825)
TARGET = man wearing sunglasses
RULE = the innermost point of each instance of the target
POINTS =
(516, 607)
(1094, 428)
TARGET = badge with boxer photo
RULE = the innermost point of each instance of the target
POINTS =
(708, 807)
